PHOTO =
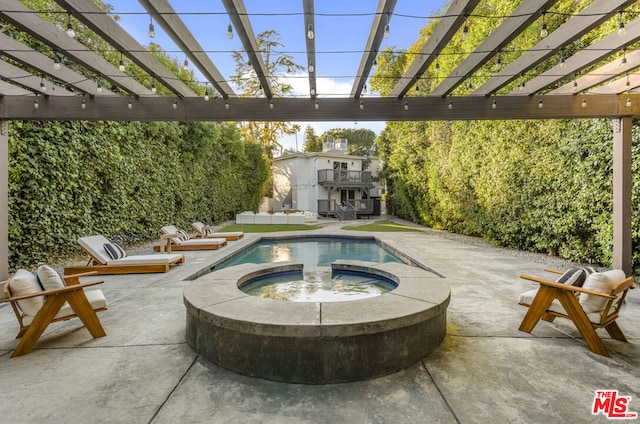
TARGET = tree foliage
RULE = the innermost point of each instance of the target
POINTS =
(543, 186)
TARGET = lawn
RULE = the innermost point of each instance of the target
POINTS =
(380, 226)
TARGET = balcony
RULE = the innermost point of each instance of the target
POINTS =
(351, 210)
(344, 179)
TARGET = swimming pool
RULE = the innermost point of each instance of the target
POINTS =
(313, 252)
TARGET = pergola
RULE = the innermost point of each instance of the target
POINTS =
(594, 82)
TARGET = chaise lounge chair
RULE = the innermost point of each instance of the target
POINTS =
(174, 239)
(36, 308)
(105, 263)
(206, 231)
(595, 304)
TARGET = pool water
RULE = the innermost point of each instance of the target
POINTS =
(318, 286)
(312, 252)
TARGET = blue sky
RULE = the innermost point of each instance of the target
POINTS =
(339, 39)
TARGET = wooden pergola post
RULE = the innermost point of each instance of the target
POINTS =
(622, 187)
(4, 200)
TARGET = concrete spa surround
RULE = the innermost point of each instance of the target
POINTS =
(316, 343)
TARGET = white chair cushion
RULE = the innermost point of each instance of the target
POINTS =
(95, 246)
(203, 242)
(48, 277)
(601, 282)
(527, 297)
(163, 258)
(95, 298)
(23, 283)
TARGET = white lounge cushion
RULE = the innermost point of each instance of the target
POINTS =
(95, 246)
(601, 282)
(95, 298)
(203, 242)
(527, 297)
(49, 278)
(158, 259)
(23, 283)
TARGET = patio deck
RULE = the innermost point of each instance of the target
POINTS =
(484, 371)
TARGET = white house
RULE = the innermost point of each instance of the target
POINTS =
(330, 183)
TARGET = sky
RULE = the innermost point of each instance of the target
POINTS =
(340, 40)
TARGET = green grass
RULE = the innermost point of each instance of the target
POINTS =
(268, 228)
(381, 226)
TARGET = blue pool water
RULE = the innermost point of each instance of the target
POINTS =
(312, 252)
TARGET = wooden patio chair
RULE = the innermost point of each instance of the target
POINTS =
(206, 231)
(36, 308)
(174, 239)
(595, 305)
(104, 262)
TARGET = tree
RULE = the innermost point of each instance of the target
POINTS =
(312, 142)
(361, 141)
(278, 65)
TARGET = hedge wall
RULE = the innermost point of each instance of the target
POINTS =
(123, 180)
(542, 186)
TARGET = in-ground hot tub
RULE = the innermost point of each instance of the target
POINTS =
(316, 342)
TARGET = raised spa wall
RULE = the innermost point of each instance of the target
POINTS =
(322, 342)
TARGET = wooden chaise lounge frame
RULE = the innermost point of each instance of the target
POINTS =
(95, 264)
(203, 232)
(73, 293)
(567, 296)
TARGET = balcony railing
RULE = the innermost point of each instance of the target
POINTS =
(357, 206)
(343, 177)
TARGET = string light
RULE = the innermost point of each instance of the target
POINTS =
(206, 93)
(543, 29)
(226, 105)
(406, 105)
(42, 86)
(494, 104)
(624, 57)
(465, 30)
(450, 105)
(83, 104)
(575, 85)
(621, 29)
(522, 86)
(628, 83)
(312, 91)
(470, 86)
(361, 105)
(540, 104)
(70, 32)
(121, 66)
(311, 68)
(185, 65)
(36, 104)
(584, 102)
(175, 104)
(130, 104)
(154, 89)
(499, 61)
(270, 104)
(56, 63)
(561, 58)
(99, 88)
(628, 104)
(437, 67)
(387, 28)
(317, 106)
(229, 31)
(152, 30)
(310, 33)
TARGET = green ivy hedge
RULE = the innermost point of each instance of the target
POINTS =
(542, 186)
(123, 180)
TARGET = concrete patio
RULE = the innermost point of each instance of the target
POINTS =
(485, 370)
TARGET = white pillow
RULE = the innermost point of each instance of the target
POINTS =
(48, 277)
(22, 283)
(601, 282)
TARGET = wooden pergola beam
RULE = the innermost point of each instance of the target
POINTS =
(240, 19)
(102, 24)
(329, 109)
(309, 22)
(171, 23)
(581, 23)
(24, 19)
(446, 28)
(383, 12)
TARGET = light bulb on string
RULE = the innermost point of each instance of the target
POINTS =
(121, 65)
(152, 30)
(310, 33)
(543, 29)
(387, 28)
(229, 31)
(70, 31)
(621, 28)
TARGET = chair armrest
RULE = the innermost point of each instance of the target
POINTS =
(565, 286)
(54, 292)
(71, 280)
(554, 271)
